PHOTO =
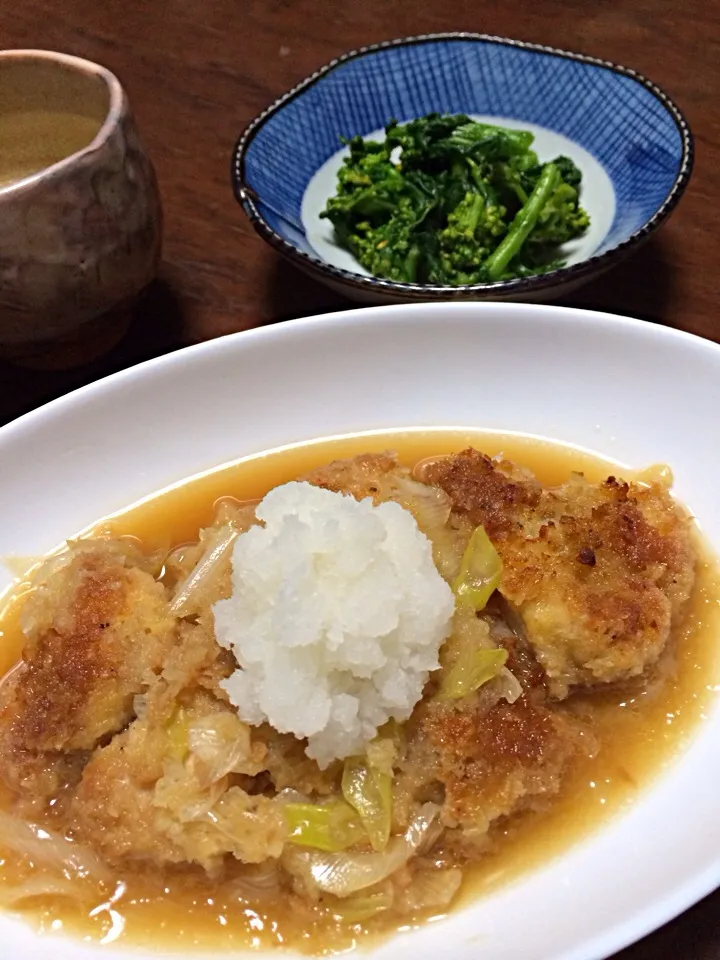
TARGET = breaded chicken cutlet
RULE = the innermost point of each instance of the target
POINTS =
(98, 631)
(599, 573)
(118, 705)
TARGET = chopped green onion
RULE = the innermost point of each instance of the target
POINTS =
(369, 790)
(480, 571)
(470, 672)
(343, 874)
(177, 731)
(330, 826)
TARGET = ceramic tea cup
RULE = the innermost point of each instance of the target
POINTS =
(80, 214)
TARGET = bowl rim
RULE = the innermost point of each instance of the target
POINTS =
(117, 107)
(248, 199)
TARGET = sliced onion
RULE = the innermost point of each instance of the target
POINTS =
(429, 505)
(508, 685)
(40, 574)
(343, 874)
(11, 897)
(21, 568)
(221, 742)
(369, 791)
(257, 883)
(7, 679)
(421, 468)
(180, 555)
(288, 795)
(433, 834)
(359, 909)
(430, 889)
(658, 473)
(14, 897)
(47, 849)
(218, 546)
(134, 551)
(181, 791)
(140, 705)
(239, 513)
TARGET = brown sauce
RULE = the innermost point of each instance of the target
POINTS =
(640, 730)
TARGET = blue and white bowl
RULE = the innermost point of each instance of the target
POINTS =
(630, 140)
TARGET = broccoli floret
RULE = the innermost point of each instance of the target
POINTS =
(568, 171)
(470, 236)
(387, 251)
(525, 220)
(561, 219)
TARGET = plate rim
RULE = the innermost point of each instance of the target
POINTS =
(563, 314)
(687, 893)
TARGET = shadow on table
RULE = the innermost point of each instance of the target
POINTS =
(640, 286)
(155, 326)
(693, 936)
(292, 293)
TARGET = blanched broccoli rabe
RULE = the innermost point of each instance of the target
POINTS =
(447, 200)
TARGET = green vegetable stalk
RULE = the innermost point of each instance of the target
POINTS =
(525, 219)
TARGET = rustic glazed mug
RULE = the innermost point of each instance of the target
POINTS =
(80, 215)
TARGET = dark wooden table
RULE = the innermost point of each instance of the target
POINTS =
(197, 71)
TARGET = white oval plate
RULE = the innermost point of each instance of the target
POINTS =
(632, 391)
